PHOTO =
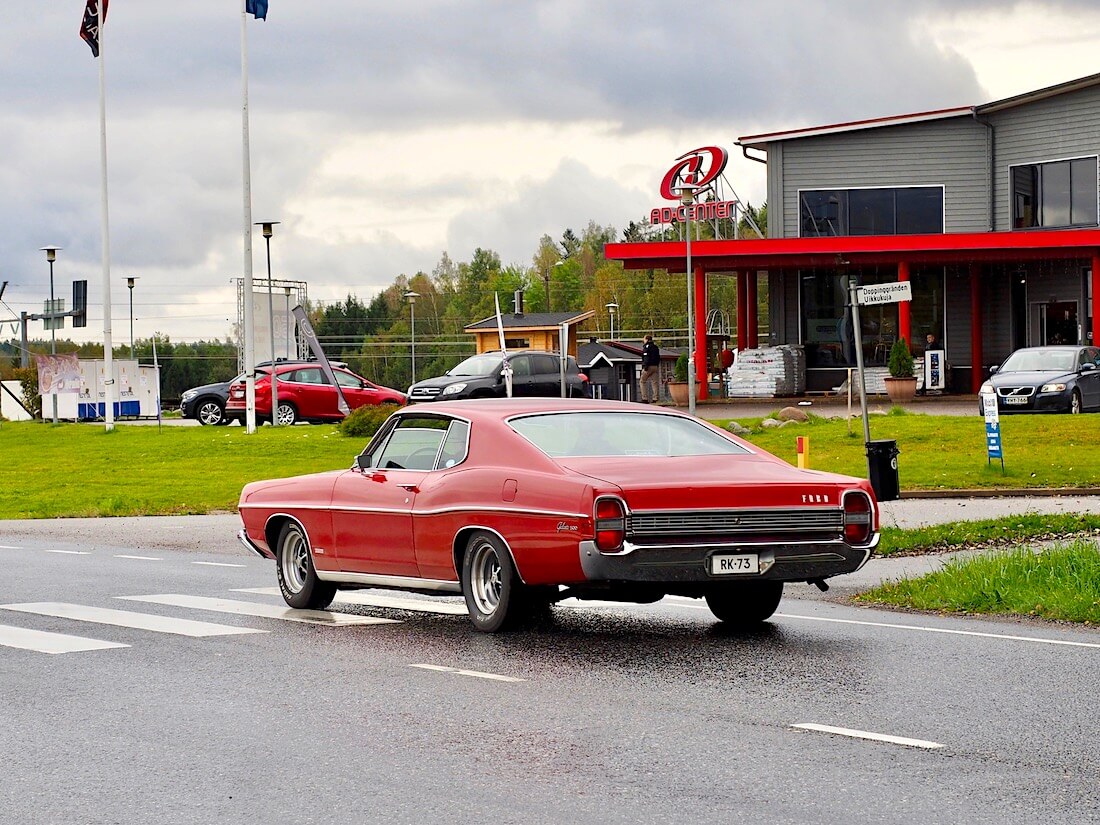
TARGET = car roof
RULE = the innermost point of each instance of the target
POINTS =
(500, 408)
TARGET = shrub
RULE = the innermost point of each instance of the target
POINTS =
(901, 360)
(28, 380)
(680, 371)
(365, 421)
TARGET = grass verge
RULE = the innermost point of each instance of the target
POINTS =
(1061, 583)
(1010, 530)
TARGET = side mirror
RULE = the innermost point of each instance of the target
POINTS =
(993, 370)
(1088, 367)
(362, 462)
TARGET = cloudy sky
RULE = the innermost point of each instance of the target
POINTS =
(384, 134)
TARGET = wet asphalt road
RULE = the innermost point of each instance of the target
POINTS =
(617, 713)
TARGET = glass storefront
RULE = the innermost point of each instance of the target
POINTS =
(827, 321)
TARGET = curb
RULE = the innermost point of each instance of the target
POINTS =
(1006, 493)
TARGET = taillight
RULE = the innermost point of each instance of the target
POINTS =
(610, 524)
(858, 525)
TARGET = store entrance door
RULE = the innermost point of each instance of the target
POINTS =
(1054, 322)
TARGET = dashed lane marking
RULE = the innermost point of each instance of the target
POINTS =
(9, 547)
(266, 611)
(138, 558)
(126, 618)
(217, 564)
(876, 737)
(72, 552)
(496, 677)
(40, 641)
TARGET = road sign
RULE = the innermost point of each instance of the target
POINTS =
(994, 449)
(884, 293)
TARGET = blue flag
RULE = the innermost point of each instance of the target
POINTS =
(257, 8)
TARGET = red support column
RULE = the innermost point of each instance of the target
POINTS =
(753, 335)
(742, 310)
(1096, 298)
(700, 288)
(904, 328)
(976, 358)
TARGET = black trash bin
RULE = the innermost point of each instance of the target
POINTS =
(882, 460)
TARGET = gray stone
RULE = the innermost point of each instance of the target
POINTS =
(792, 414)
(770, 423)
(737, 429)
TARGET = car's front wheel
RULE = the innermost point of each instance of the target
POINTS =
(211, 413)
(494, 594)
(297, 577)
(1075, 403)
(744, 604)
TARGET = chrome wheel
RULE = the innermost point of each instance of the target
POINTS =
(294, 561)
(298, 580)
(1075, 403)
(210, 413)
(485, 578)
(287, 415)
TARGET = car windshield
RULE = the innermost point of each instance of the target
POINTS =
(564, 435)
(477, 365)
(1041, 360)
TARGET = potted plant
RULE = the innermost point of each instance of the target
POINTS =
(678, 386)
(901, 386)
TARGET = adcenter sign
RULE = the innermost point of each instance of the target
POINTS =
(699, 168)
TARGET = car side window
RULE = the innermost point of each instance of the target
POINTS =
(346, 379)
(545, 365)
(521, 365)
(309, 375)
(454, 445)
(412, 444)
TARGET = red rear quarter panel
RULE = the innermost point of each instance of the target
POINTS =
(304, 498)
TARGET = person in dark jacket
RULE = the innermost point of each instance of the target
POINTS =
(651, 367)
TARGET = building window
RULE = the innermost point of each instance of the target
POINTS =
(909, 210)
(1056, 194)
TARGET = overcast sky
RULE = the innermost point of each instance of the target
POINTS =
(384, 134)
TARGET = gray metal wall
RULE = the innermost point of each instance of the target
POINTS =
(951, 153)
(1066, 126)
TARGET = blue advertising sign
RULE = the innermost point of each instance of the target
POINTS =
(992, 428)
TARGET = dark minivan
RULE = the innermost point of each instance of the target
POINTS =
(534, 373)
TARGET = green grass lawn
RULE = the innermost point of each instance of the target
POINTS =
(949, 452)
(1061, 583)
(82, 470)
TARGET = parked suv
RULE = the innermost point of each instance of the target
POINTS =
(534, 373)
(305, 393)
(207, 403)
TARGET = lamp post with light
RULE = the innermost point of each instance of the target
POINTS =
(612, 308)
(268, 230)
(411, 297)
(687, 198)
(51, 256)
(130, 286)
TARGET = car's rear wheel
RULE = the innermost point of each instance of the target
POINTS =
(494, 594)
(297, 577)
(744, 604)
(211, 413)
(288, 415)
(1075, 403)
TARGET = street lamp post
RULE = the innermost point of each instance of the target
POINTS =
(268, 230)
(130, 286)
(411, 297)
(612, 308)
(687, 198)
(286, 292)
(51, 256)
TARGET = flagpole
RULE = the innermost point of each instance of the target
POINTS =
(105, 231)
(247, 297)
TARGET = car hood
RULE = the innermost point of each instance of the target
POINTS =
(1029, 377)
(447, 380)
(222, 386)
(659, 483)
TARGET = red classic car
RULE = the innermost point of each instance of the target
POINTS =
(305, 393)
(518, 504)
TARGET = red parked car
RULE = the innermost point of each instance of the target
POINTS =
(305, 393)
(519, 503)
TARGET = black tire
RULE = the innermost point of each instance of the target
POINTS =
(297, 577)
(1075, 403)
(288, 414)
(494, 594)
(744, 604)
(210, 412)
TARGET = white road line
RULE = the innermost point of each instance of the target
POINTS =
(266, 611)
(496, 677)
(126, 618)
(9, 547)
(139, 558)
(42, 642)
(1003, 636)
(72, 552)
(217, 564)
(877, 737)
(368, 600)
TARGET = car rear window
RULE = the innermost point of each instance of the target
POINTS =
(574, 434)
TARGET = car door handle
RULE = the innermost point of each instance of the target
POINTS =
(411, 486)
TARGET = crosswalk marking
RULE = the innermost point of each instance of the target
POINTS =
(126, 618)
(478, 674)
(40, 641)
(267, 611)
(372, 600)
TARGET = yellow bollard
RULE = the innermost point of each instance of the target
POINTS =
(803, 448)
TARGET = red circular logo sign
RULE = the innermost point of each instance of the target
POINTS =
(696, 168)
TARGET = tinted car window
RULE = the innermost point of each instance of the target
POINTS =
(521, 365)
(309, 375)
(545, 365)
